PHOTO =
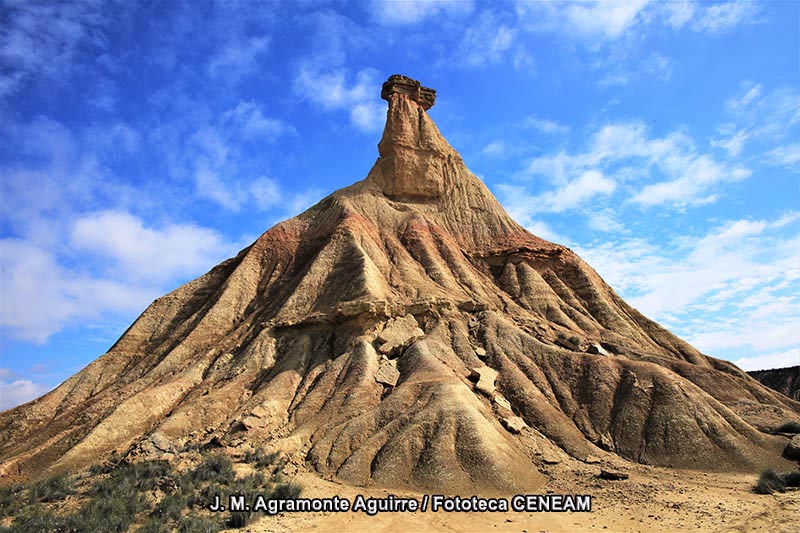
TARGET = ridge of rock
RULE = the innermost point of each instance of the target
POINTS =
(281, 346)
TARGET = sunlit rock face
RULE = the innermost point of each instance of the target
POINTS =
(406, 332)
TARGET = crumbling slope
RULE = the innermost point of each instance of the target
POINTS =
(405, 332)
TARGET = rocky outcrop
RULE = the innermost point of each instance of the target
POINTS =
(348, 334)
(425, 97)
(484, 377)
(784, 380)
(792, 450)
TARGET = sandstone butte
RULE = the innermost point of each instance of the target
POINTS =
(404, 332)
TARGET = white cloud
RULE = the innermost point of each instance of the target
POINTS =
(44, 40)
(605, 19)
(209, 185)
(577, 192)
(494, 149)
(731, 291)
(40, 296)
(626, 152)
(406, 12)
(718, 18)
(69, 174)
(14, 393)
(237, 58)
(331, 90)
(770, 360)
(595, 21)
(604, 219)
(747, 96)
(657, 66)
(574, 194)
(759, 117)
(787, 155)
(368, 115)
(217, 166)
(300, 201)
(545, 125)
(140, 252)
(678, 13)
(764, 121)
(266, 193)
(691, 186)
(733, 140)
(248, 117)
(486, 41)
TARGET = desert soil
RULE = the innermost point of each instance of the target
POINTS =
(652, 499)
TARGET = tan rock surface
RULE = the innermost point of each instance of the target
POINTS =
(485, 377)
(388, 373)
(514, 424)
(295, 323)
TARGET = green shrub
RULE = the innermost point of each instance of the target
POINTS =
(203, 496)
(216, 467)
(52, 489)
(170, 507)
(34, 518)
(154, 525)
(287, 491)
(770, 482)
(575, 341)
(260, 458)
(789, 427)
(197, 524)
(239, 519)
(106, 466)
(791, 479)
(10, 500)
(113, 512)
(118, 500)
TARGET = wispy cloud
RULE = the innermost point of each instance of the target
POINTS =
(40, 296)
(486, 41)
(743, 270)
(138, 252)
(238, 57)
(609, 20)
(494, 149)
(722, 17)
(671, 168)
(572, 194)
(335, 90)
(606, 19)
(769, 361)
(13, 393)
(545, 125)
(44, 39)
(404, 12)
(762, 122)
(248, 117)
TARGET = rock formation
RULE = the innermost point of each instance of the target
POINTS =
(349, 335)
(784, 380)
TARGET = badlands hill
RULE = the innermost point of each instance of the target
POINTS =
(784, 380)
(404, 332)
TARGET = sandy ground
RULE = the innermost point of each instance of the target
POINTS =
(653, 499)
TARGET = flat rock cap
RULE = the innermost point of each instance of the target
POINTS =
(400, 84)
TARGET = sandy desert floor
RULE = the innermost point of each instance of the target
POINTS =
(652, 499)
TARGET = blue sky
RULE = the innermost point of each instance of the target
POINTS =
(143, 142)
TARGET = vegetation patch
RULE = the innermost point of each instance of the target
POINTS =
(146, 496)
(770, 482)
(789, 427)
